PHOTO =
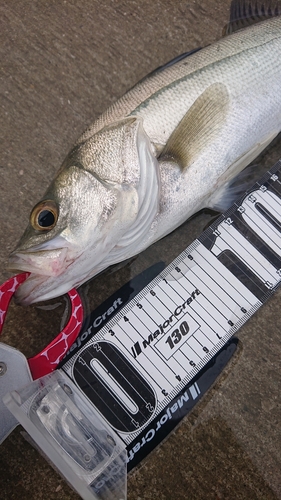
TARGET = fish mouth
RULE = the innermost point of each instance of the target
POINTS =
(45, 267)
(24, 295)
(43, 262)
(38, 288)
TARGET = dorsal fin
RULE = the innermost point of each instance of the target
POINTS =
(169, 63)
(243, 13)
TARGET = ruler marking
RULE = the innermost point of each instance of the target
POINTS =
(195, 346)
(205, 313)
(255, 283)
(180, 354)
(258, 226)
(103, 400)
(161, 340)
(193, 343)
(195, 312)
(259, 264)
(176, 368)
(227, 299)
(206, 289)
(243, 253)
(152, 312)
(263, 226)
(151, 369)
(124, 335)
(275, 187)
(142, 325)
(273, 200)
(190, 343)
(171, 298)
(173, 294)
(205, 340)
(221, 274)
(127, 380)
(165, 306)
(143, 339)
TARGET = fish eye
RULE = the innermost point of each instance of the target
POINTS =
(44, 215)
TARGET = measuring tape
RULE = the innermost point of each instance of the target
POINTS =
(135, 371)
(142, 360)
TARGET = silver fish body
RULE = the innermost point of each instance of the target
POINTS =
(162, 152)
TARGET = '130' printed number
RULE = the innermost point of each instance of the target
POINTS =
(177, 334)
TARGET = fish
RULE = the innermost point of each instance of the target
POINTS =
(168, 148)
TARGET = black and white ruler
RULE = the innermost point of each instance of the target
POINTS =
(142, 367)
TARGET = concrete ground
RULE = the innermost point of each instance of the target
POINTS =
(62, 64)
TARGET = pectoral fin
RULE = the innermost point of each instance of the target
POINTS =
(199, 126)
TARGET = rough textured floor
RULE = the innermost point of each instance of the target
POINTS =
(63, 63)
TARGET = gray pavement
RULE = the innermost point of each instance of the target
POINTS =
(62, 64)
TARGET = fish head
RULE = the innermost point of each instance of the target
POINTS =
(92, 202)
